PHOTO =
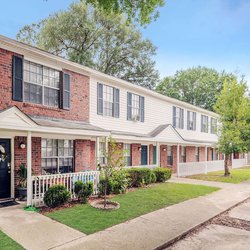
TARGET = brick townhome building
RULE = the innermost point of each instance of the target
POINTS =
(56, 114)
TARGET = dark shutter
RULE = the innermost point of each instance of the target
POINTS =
(182, 118)
(99, 99)
(142, 108)
(65, 91)
(116, 103)
(174, 116)
(194, 118)
(129, 106)
(17, 78)
(188, 120)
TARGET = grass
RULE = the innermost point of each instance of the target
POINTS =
(6, 243)
(133, 204)
(236, 176)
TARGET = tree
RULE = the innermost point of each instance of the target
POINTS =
(199, 86)
(233, 106)
(141, 11)
(114, 161)
(90, 37)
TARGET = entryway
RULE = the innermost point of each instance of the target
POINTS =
(144, 155)
(5, 169)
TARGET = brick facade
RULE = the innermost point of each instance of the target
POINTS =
(190, 154)
(79, 103)
(151, 154)
(136, 154)
(163, 155)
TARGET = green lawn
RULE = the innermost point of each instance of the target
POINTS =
(6, 243)
(133, 204)
(237, 176)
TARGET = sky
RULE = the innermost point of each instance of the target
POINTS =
(212, 33)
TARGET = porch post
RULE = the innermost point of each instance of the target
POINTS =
(97, 150)
(178, 160)
(158, 154)
(205, 159)
(29, 170)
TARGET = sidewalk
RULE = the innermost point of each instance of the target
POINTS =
(153, 230)
(33, 230)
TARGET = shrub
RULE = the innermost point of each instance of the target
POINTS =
(101, 186)
(78, 188)
(139, 176)
(56, 196)
(119, 181)
(153, 177)
(162, 174)
(87, 190)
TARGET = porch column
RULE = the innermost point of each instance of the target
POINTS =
(29, 170)
(205, 159)
(158, 154)
(97, 150)
(178, 160)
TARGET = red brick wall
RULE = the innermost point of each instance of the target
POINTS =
(190, 154)
(79, 105)
(136, 154)
(84, 155)
(20, 156)
(209, 154)
(163, 156)
(174, 159)
(202, 153)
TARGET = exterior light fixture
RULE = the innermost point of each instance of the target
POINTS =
(22, 145)
(139, 148)
(164, 149)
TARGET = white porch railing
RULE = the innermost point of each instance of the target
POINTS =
(192, 168)
(41, 183)
(239, 163)
(142, 166)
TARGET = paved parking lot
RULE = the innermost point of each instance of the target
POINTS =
(220, 237)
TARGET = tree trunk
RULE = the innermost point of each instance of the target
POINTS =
(227, 172)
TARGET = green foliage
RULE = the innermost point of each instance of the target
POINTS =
(78, 188)
(233, 106)
(119, 181)
(141, 11)
(140, 176)
(199, 86)
(153, 177)
(162, 174)
(7, 243)
(90, 37)
(105, 183)
(56, 196)
(83, 190)
(22, 172)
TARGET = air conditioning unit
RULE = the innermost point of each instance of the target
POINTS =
(136, 118)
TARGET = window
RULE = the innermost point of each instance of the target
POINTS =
(154, 154)
(108, 101)
(41, 84)
(183, 154)
(127, 154)
(213, 125)
(204, 123)
(135, 107)
(178, 117)
(57, 156)
(191, 120)
(197, 154)
(102, 149)
(169, 155)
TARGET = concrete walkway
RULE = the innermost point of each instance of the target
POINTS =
(33, 230)
(153, 230)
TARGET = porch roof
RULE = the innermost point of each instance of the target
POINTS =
(13, 119)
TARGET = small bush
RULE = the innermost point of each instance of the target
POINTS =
(162, 174)
(87, 190)
(153, 177)
(56, 196)
(78, 188)
(139, 176)
(119, 181)
(101, 186)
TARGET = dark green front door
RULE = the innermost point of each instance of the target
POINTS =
(144, 155)
(5, 181)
